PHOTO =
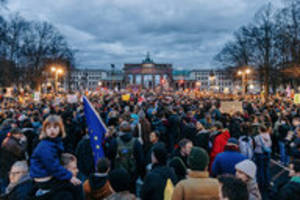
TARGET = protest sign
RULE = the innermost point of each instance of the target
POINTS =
(231, 107)
(297, 98)
(125, 97)
(72, 98)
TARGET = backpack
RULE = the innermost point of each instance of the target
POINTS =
(246, 146)
(125, 158)
(169, 189)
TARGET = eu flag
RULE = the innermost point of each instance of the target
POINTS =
(96, 129)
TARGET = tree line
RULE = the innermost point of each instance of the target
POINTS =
(270, 43)
(28, 49)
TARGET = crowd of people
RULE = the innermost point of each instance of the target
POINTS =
(158, 145)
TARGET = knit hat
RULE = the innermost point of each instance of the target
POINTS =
(233, 141)
(119, 179)
(160, 153)
(248, 167)
(198, 159)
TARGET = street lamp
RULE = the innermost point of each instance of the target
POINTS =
(57, 71)
(244, 74)
(100, 83)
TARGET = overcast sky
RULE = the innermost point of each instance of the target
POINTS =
(186, 33)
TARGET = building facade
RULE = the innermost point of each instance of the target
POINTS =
(149, 74)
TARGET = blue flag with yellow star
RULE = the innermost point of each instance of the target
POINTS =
(96, 128)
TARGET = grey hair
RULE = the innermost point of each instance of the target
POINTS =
(21, 164)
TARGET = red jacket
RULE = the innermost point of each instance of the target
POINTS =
(218, 145)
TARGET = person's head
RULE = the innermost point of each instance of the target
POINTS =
(125, 127)
(16, 133)
(232, 188)
(295, 167)
(185, 146)
(69, 162)
(263, 129)
(103, 165)
(18, 170)
(218, 126)
(159, 154)
(53, 127)
(198, 159)
(199, 126)
(119, 179)
(246, 170)
(154, 137)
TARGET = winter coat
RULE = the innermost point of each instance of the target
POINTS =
(224, 162)
(155, 182)
(97, 187)
(45, 160)
(145, 131)
(137, 152)
(198, 186)
(58, 190)
(253, 190)
(85, 158)
(219, 144)
(12, 150)
(202, 140)
(174, 126)
(176, 153)
(291, 191)
(21, 190)
(262, 138)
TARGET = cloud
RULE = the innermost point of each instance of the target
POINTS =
(185, 33)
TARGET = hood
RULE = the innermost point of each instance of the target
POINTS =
(126, 137)
(97, 180)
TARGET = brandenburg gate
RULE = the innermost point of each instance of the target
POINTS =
(148, 74)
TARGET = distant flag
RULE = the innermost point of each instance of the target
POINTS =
(96, 129)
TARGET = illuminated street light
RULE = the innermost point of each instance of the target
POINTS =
(60, 71)
(57, 71)
(251, 86)
(244, 79)
(100, 83)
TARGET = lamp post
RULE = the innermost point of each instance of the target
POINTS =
(211, 78)
(57, 72)
(243, 74)
(198, 85)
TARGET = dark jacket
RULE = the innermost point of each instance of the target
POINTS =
(137, 152)
(11, 151)
(155, 182)
(224, 162)
(97, 187)
(58, 190)
(45, 160)
(176, 153)
(20, 191)
(291, 191)
(84, 155)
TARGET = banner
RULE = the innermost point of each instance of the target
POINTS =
(297, 98)
(37, 96)
(231, 107)
(125, 97)
(72, 98)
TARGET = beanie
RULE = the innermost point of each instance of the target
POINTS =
(160, 153)
(198, 159)
(119, 179)
(248, 167)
